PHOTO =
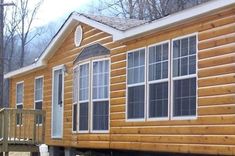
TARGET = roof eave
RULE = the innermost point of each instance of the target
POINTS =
(24, 70)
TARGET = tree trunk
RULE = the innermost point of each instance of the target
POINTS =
(22, 44)
(1, 53)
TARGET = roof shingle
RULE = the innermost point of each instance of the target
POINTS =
(115, 22)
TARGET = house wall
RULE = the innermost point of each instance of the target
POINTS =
(213, 132)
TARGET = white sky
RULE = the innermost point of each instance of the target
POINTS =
(52, 10)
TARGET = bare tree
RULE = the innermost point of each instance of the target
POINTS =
(11, 24)
(145, 9)
(26, 16)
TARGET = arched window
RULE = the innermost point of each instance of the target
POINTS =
(91, 89)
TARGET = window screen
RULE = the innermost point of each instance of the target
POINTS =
(83, 96)
(100, 92)
(158, 80)
(38, 97)
(184, 77)
(19, 93)
(136, 86)
(75, 97)
(19, 101)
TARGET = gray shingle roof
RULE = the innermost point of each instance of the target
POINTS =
(115, 22)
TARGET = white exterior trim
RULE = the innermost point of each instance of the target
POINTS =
(62, 124)
(17, 83)
(88, 100)
(78, 35)
(190, 117)
(38, 77)
(91, 97)
(136, 84)
(157, 25)
(148, 83)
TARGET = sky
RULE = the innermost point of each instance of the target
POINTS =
(52, 10)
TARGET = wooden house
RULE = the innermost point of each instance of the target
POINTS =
(128, 85)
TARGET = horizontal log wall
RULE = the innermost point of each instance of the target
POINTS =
(213, 132)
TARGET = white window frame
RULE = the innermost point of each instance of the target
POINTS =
(170, 82)
(20, 82)
(74, 103)
(106, 99)
(136, 84)
(35, 101)
(38, 77)
(159, 81)
(17, 104)
(88, 101)
(62, 66)
(191, 117)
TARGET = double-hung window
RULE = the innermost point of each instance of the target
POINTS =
(75, 98)
(84, 79)
(19, 100)
(100, 95)
(171, 84)
(184, 76)
(38, 97)
(158, 60)
(136, 85)
(91, 86)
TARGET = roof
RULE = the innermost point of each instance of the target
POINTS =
(115, 22)
(88, 52)
(120, 29)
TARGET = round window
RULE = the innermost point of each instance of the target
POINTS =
(78, 36)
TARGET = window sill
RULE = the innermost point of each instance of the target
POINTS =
(135, 120)
(184, 118)
(99, 131)
(158, 119)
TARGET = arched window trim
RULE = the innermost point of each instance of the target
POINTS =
(100, 51)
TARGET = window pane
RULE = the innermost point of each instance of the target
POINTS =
(185, 63)
(158, 100)
(184, 66)
(184, 47)
(135, 103)
(158, 67)
(19, 115)
(192, 64)
(152, 55)
(184, 97)
(101, 80)
(100, 115)
(75, 85)
(83, 82)
(83, 116)
(75, 117)
(176, 48)
(136, 66)
(165, 51)
(38, 106)
(165, 70)
(38, 89)
(19, 93)
(192, 45)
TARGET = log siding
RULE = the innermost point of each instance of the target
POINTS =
(212, 132)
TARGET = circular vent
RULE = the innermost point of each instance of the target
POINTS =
(78, 36)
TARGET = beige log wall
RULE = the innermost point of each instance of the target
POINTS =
(212, 132)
